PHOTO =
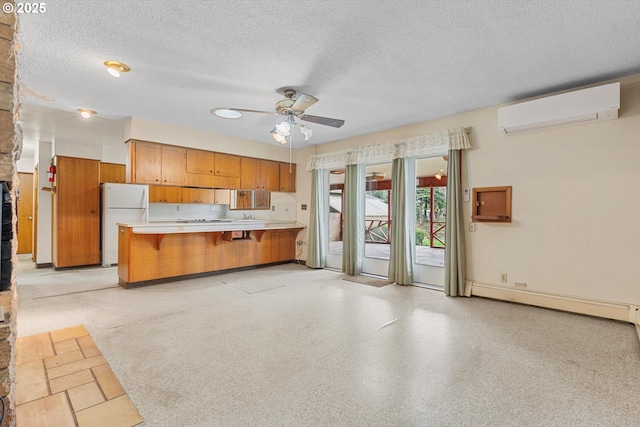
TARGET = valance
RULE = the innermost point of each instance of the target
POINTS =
(429, 145)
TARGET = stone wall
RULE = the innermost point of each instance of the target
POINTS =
(10, 149)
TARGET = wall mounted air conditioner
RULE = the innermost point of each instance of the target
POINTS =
(594, 103)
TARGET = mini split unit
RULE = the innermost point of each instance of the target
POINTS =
(594, 103)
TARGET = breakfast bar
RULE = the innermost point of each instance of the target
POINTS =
(172, 249)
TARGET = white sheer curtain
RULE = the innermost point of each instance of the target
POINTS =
(319, 219)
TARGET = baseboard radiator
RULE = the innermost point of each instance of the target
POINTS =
(608, 310)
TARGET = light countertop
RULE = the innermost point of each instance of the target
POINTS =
(169, 227)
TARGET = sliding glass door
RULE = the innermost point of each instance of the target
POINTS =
(430, 214)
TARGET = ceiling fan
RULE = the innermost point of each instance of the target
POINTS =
(292, 108)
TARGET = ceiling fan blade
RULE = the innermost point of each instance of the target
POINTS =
(336, 123)
(243, 110)
(303, 102)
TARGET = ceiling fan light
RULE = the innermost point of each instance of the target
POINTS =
(226, 113)
(283, 128)
(306, 131)
(279, 138)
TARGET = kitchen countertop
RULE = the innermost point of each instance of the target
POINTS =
(169, 227)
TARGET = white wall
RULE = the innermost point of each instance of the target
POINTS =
(44, 153)
(574, 229)
(147, 130)
(26, 164)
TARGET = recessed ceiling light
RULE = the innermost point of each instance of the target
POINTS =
(115, 68)
(86, 113)
(226, 113)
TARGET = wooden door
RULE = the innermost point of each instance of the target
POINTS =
(76, 212)
(24, 208)
(288, 177)
(269, 175)
(174, 165)
(148, 163)
(249, 173)
(34, 253)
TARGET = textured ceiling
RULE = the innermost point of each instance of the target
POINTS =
(375, 64)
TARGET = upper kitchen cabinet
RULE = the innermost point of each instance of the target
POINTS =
(249, 173)
(269, 175)
(200, 168)
(153, 163)
(287, 177)
(227, 171)
(112, 172)
(200, 161)
(256, 174)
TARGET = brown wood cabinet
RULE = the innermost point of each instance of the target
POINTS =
(258, 174)
(249, 173)
(153, 163)
(76, 212)
(165, 194)
(112, 172)
(288, 177)
(283, 245)
(269, 175)
(143, 257)
(200, 168)
(200, 161)
(227, 165)
(277, 246)
(198, 195)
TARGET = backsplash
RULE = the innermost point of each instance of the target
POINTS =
(175, 211)
(283, 208)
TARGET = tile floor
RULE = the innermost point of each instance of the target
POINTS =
(63, 380)
(290, 346)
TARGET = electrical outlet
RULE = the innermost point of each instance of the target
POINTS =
(521, 284)
(177, 207)
(472, 226)
(273, 208)
(466, 196)
(503, 277)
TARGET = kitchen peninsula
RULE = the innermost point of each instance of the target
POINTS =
(174, 249)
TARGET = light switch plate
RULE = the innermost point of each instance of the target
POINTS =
(467, 197)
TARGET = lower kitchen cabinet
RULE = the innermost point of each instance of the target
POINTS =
(144, 257)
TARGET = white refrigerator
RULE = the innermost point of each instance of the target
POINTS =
(121, 203)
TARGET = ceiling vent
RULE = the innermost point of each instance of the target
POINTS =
(594, 103)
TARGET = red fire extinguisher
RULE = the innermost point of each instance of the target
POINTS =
(51, 173)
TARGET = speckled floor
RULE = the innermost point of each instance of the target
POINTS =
(289, 346)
